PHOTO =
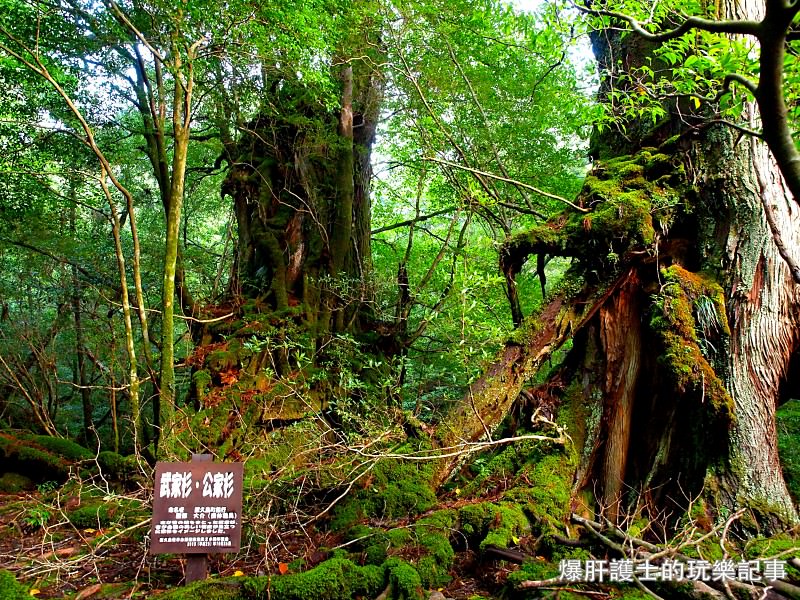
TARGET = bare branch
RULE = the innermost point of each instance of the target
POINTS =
(413, 221)
(507, 180)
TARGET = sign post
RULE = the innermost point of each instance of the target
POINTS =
(197, 510)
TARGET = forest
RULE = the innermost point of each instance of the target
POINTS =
(489, 299)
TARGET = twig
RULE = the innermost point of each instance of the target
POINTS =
(507, 180)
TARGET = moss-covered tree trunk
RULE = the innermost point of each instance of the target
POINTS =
(738, 187)
(300, 189)
(725, 312)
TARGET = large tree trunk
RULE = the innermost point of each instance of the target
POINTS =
(727, 238)
(764, 311)
(301, 195)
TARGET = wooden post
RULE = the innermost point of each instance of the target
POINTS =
(197, 564)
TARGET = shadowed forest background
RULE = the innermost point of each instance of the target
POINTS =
(466, 301)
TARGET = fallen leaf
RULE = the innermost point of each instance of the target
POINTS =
(283, 568)
(229, 377)
(89, 591)
(34, 592)
(61, 553)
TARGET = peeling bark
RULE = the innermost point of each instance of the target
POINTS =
(729, 235)
(621, 336)
(764, 312)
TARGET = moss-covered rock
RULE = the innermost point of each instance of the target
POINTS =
(404, 579)
(61, 447)
(221, 589)
(433, 534)
(395, 488)
(99, 513)
(335, 579)
(43, 458)
(493, 524)
(116, 466)
(14, 482)
(533, 570)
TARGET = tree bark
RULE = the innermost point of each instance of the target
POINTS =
(764, 312)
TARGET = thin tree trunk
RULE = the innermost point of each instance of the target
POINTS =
(181, 123)
(80, 379)
(130, 342)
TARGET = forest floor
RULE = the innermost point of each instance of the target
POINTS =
(55, 559)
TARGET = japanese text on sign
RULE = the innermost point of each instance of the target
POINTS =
(180, 485)
(197, 507)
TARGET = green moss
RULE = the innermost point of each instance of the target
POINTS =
(209, 589)
(335, 579)
(100, 513)
(10, 588)
(201, 380)
(510, 522)
(474, 520)
(62, 447)
(91, 515)
(44, 458)
(433, 536)
(623, 197)
(228, 357)
(788, 423)
(501, 465)
(42, 462)
(14, 482)
(396, 488)
(771, 546)
(490, 524)
(117, 466)
(376, 553)
(548, 497)
(404, 579)
(533, 570)
(399, 537)
(689, 318)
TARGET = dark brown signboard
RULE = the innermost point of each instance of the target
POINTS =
(197, 508)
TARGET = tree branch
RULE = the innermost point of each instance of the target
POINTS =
(413, 221)
(735, 27)
(507, 180)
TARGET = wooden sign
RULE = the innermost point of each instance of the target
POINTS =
(197, 508)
